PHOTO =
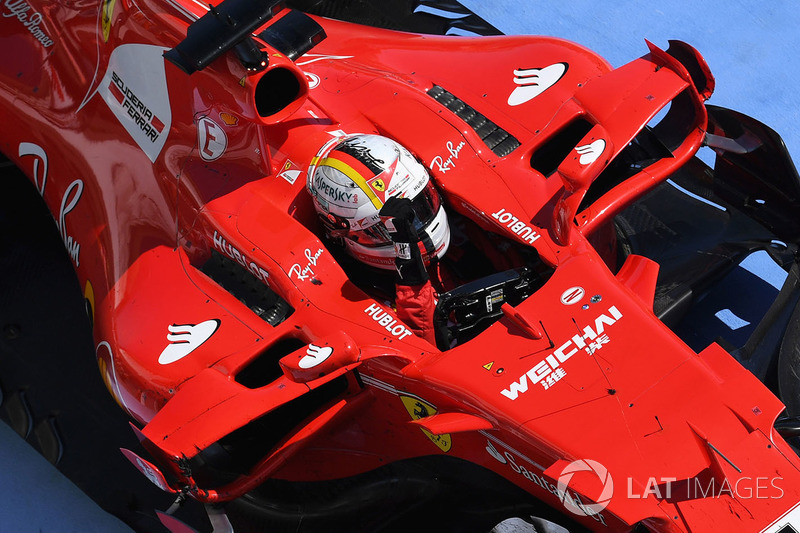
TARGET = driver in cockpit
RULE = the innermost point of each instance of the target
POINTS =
(379, 202)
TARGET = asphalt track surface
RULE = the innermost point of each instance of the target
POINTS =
(751, 49)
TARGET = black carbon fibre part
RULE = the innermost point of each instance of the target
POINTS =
(439, 17)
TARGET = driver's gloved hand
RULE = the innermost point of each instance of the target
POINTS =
(398, 216)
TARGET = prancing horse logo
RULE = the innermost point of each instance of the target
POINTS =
(379, 185)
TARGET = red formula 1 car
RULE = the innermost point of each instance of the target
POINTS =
(570, 384)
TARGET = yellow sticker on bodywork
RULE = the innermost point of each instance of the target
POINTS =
(107, 11)
(420, 409)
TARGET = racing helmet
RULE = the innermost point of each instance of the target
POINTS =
(352, 177)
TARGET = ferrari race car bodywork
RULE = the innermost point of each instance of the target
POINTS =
(263, 367)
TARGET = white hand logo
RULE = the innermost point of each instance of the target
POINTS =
(534, 81)
(315, 355)
(186, 338)
(590, 152)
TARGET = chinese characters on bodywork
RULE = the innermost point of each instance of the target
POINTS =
(549, 370)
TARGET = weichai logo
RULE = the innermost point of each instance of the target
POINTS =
(549, 370)
(141, 115)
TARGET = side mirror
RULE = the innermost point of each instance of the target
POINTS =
(577, 172)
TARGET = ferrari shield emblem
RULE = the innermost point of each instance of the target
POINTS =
(107, 12)
(290, 171)
(419, 409)
(379, 185)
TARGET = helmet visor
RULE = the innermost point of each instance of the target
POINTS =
(426, 205)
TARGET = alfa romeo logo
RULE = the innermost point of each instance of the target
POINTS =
(585, 465)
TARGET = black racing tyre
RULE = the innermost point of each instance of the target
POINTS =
(439, 494)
